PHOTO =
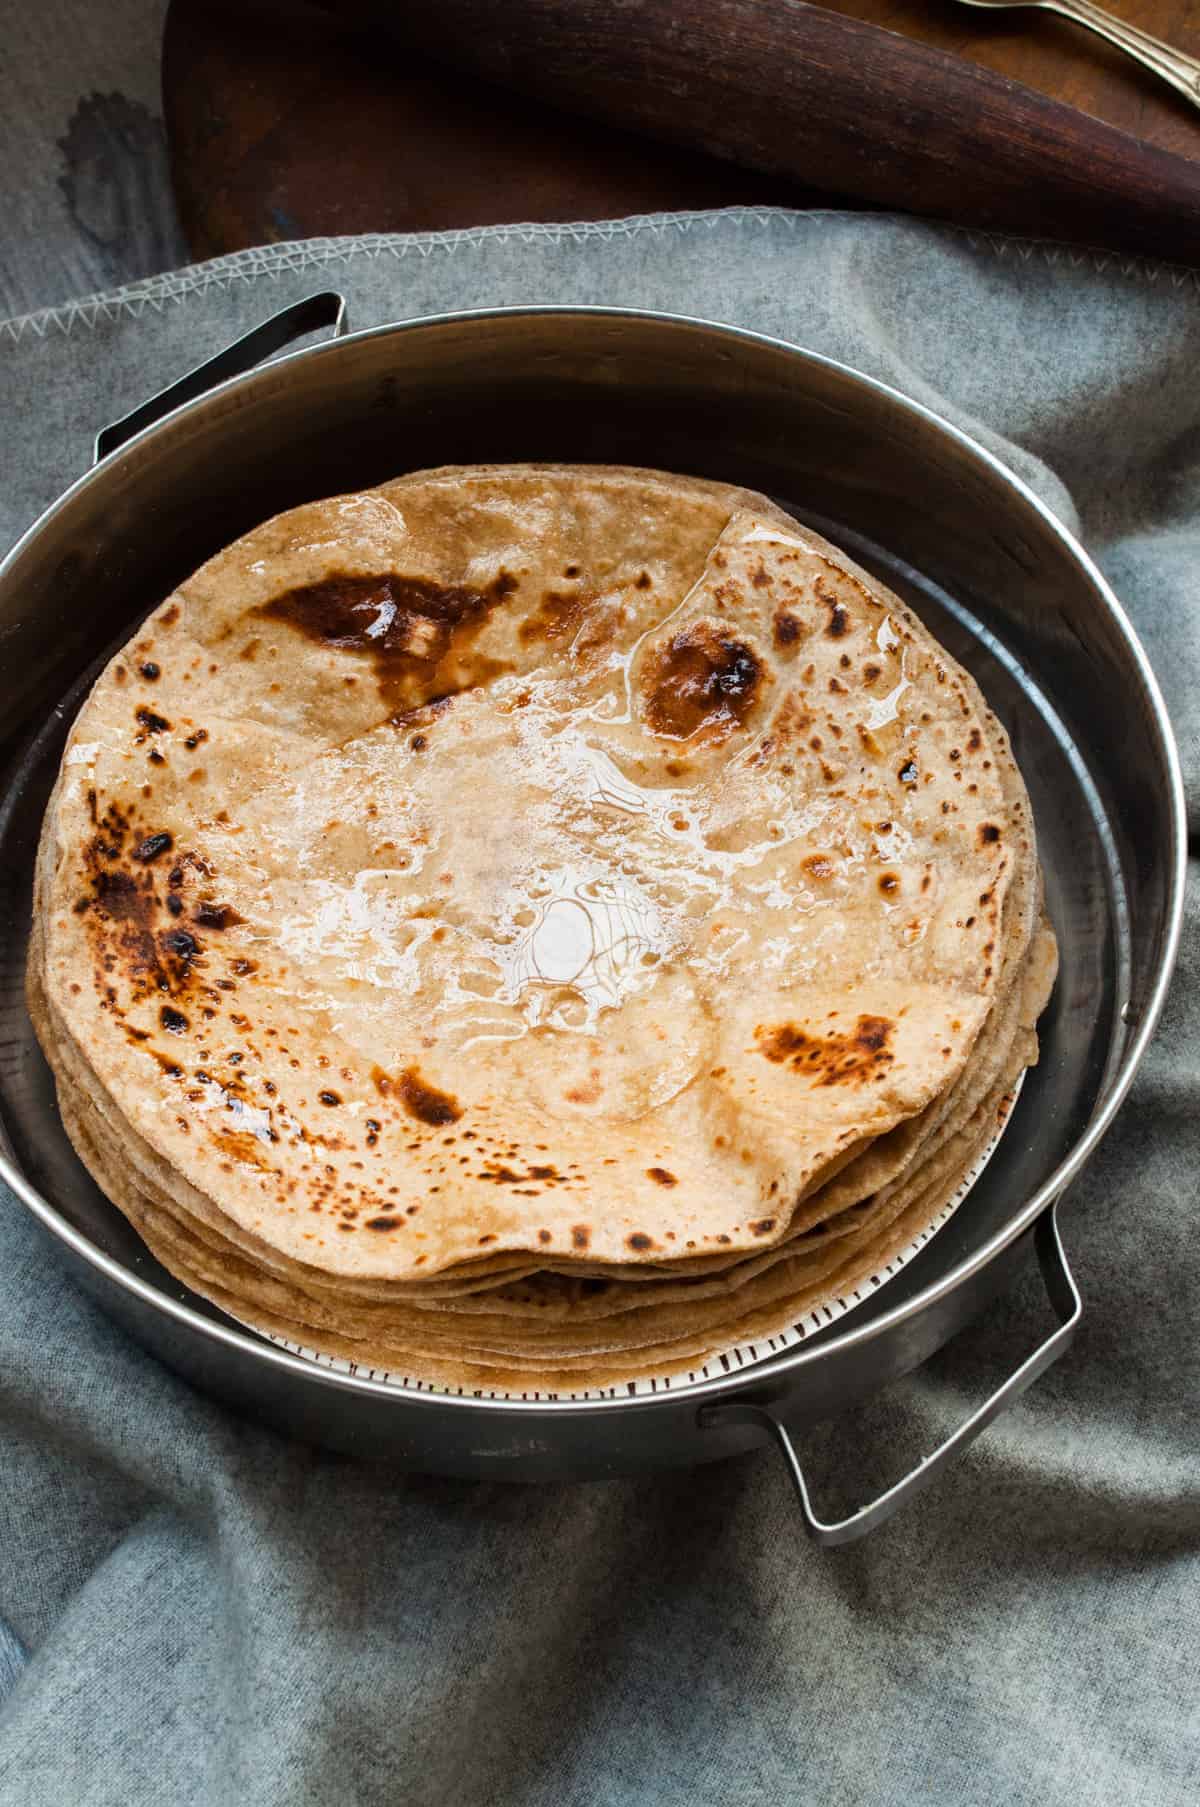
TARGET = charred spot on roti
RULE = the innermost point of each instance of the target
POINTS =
(662, 1176)
(704, 680)
(639, 1242)
(382, 1223)
(558, 618)
(173, 1021)
(153, 848)
(216, 915)
(178, 961)
(853, 1058)
(123, 906)
(838, 623)
(116, 895)
(425, 714)
(786, 628)
(242, 1145)
(412, 629)
(762, 1227)
(422, 1100)
(908, 772)
(581, 1235)
(150, 723)
(988, 833)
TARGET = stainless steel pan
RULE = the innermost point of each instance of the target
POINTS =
(994, 574)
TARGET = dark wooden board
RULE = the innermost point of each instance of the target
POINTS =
(284, 123)
(1060, 59)
(286, 120)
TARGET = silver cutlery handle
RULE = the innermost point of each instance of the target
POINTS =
(1182, 72)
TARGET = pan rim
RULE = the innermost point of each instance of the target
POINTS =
(784, 1367)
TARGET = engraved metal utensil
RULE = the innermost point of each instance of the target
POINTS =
(1182, 72)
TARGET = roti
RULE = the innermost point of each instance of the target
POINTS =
(526, 896)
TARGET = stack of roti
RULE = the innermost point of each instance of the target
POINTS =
(534, 928)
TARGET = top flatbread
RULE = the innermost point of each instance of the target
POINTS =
(563, 860)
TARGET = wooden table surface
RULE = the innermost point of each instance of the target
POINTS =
(286, 122)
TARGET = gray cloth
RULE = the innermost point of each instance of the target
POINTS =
(212, 1614)
(84, 173)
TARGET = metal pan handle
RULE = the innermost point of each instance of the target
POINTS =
(307, 316)
(1068, 1306)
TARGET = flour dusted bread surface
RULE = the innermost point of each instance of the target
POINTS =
(528, 894)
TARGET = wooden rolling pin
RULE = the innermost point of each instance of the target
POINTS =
(828, 101)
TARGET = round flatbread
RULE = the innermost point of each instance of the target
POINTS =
(518, 900)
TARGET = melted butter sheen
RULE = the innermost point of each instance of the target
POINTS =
(593, 937)
(570, 869)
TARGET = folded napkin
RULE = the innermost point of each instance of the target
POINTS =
(197, 1610)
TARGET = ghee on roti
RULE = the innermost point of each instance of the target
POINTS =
(528, 896)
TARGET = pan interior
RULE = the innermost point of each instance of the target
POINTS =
(935, 521)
